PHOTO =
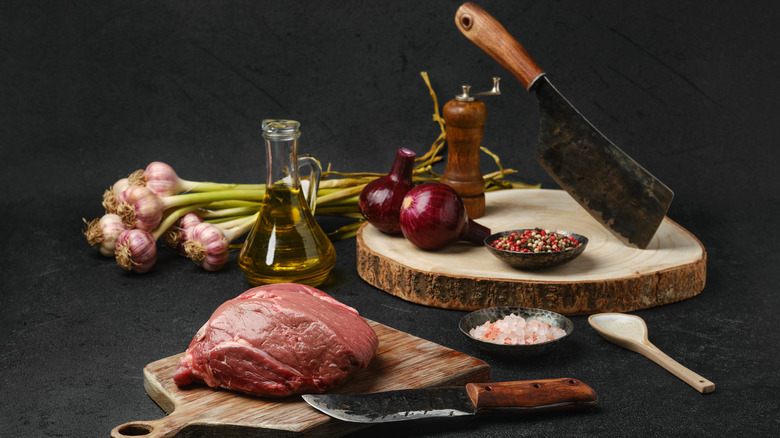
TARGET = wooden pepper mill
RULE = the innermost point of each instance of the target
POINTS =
(464, 117)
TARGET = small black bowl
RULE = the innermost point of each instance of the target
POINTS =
(536, 260)
(492, 314)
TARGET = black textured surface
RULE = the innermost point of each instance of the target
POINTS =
(92, 90)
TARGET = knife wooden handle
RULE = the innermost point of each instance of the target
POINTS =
(532, 395)
(490, 36)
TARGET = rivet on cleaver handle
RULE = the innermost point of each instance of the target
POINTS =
(620, 194)
(475, 398)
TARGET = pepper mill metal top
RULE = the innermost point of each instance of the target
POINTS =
(466, 97)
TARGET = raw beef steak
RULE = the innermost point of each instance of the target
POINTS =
(278, 340)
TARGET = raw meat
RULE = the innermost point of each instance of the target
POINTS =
(279, 340)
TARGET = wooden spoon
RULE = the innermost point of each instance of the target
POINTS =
(630, 331)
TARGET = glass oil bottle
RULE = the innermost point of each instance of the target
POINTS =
(286, 244)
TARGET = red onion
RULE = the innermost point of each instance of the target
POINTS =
(136, 250)
(380, 201)
(433, 216)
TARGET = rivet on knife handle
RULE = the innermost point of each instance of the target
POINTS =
(490, 36)
(536, 395)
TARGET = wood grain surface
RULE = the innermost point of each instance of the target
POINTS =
(465, 124)
(402, 361)
(609, 276)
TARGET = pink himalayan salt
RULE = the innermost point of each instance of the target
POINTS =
(515, 330)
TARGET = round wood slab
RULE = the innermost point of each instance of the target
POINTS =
(608, 277)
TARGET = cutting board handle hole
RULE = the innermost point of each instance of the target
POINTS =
(136, 429)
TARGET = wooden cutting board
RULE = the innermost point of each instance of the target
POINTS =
(403, 361)
(608, 277)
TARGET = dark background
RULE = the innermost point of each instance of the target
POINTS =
(93, 90)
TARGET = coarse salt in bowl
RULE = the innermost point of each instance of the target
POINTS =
(519, 331)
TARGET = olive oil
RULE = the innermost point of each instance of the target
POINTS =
(286, 244)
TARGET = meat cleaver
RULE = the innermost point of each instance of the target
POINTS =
(474, 398)
(611, 186)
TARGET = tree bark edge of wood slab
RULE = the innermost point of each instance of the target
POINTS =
(617, 291)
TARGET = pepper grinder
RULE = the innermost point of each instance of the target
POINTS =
(464, 118)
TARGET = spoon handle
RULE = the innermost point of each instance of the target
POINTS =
(698, 382)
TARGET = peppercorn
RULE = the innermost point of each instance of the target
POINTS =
(536, 240)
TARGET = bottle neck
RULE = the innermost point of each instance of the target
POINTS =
(282, 159)
(281, 142)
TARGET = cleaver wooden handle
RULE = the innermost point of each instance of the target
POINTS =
(532, 395)
(490, 36)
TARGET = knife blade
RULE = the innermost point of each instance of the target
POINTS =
(524, 396)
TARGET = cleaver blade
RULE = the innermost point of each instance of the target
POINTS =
(613, 188)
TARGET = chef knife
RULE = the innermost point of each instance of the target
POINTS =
(610, 185)
(474, 398)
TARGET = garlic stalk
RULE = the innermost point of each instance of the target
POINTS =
(162, 180)
(140, 208)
